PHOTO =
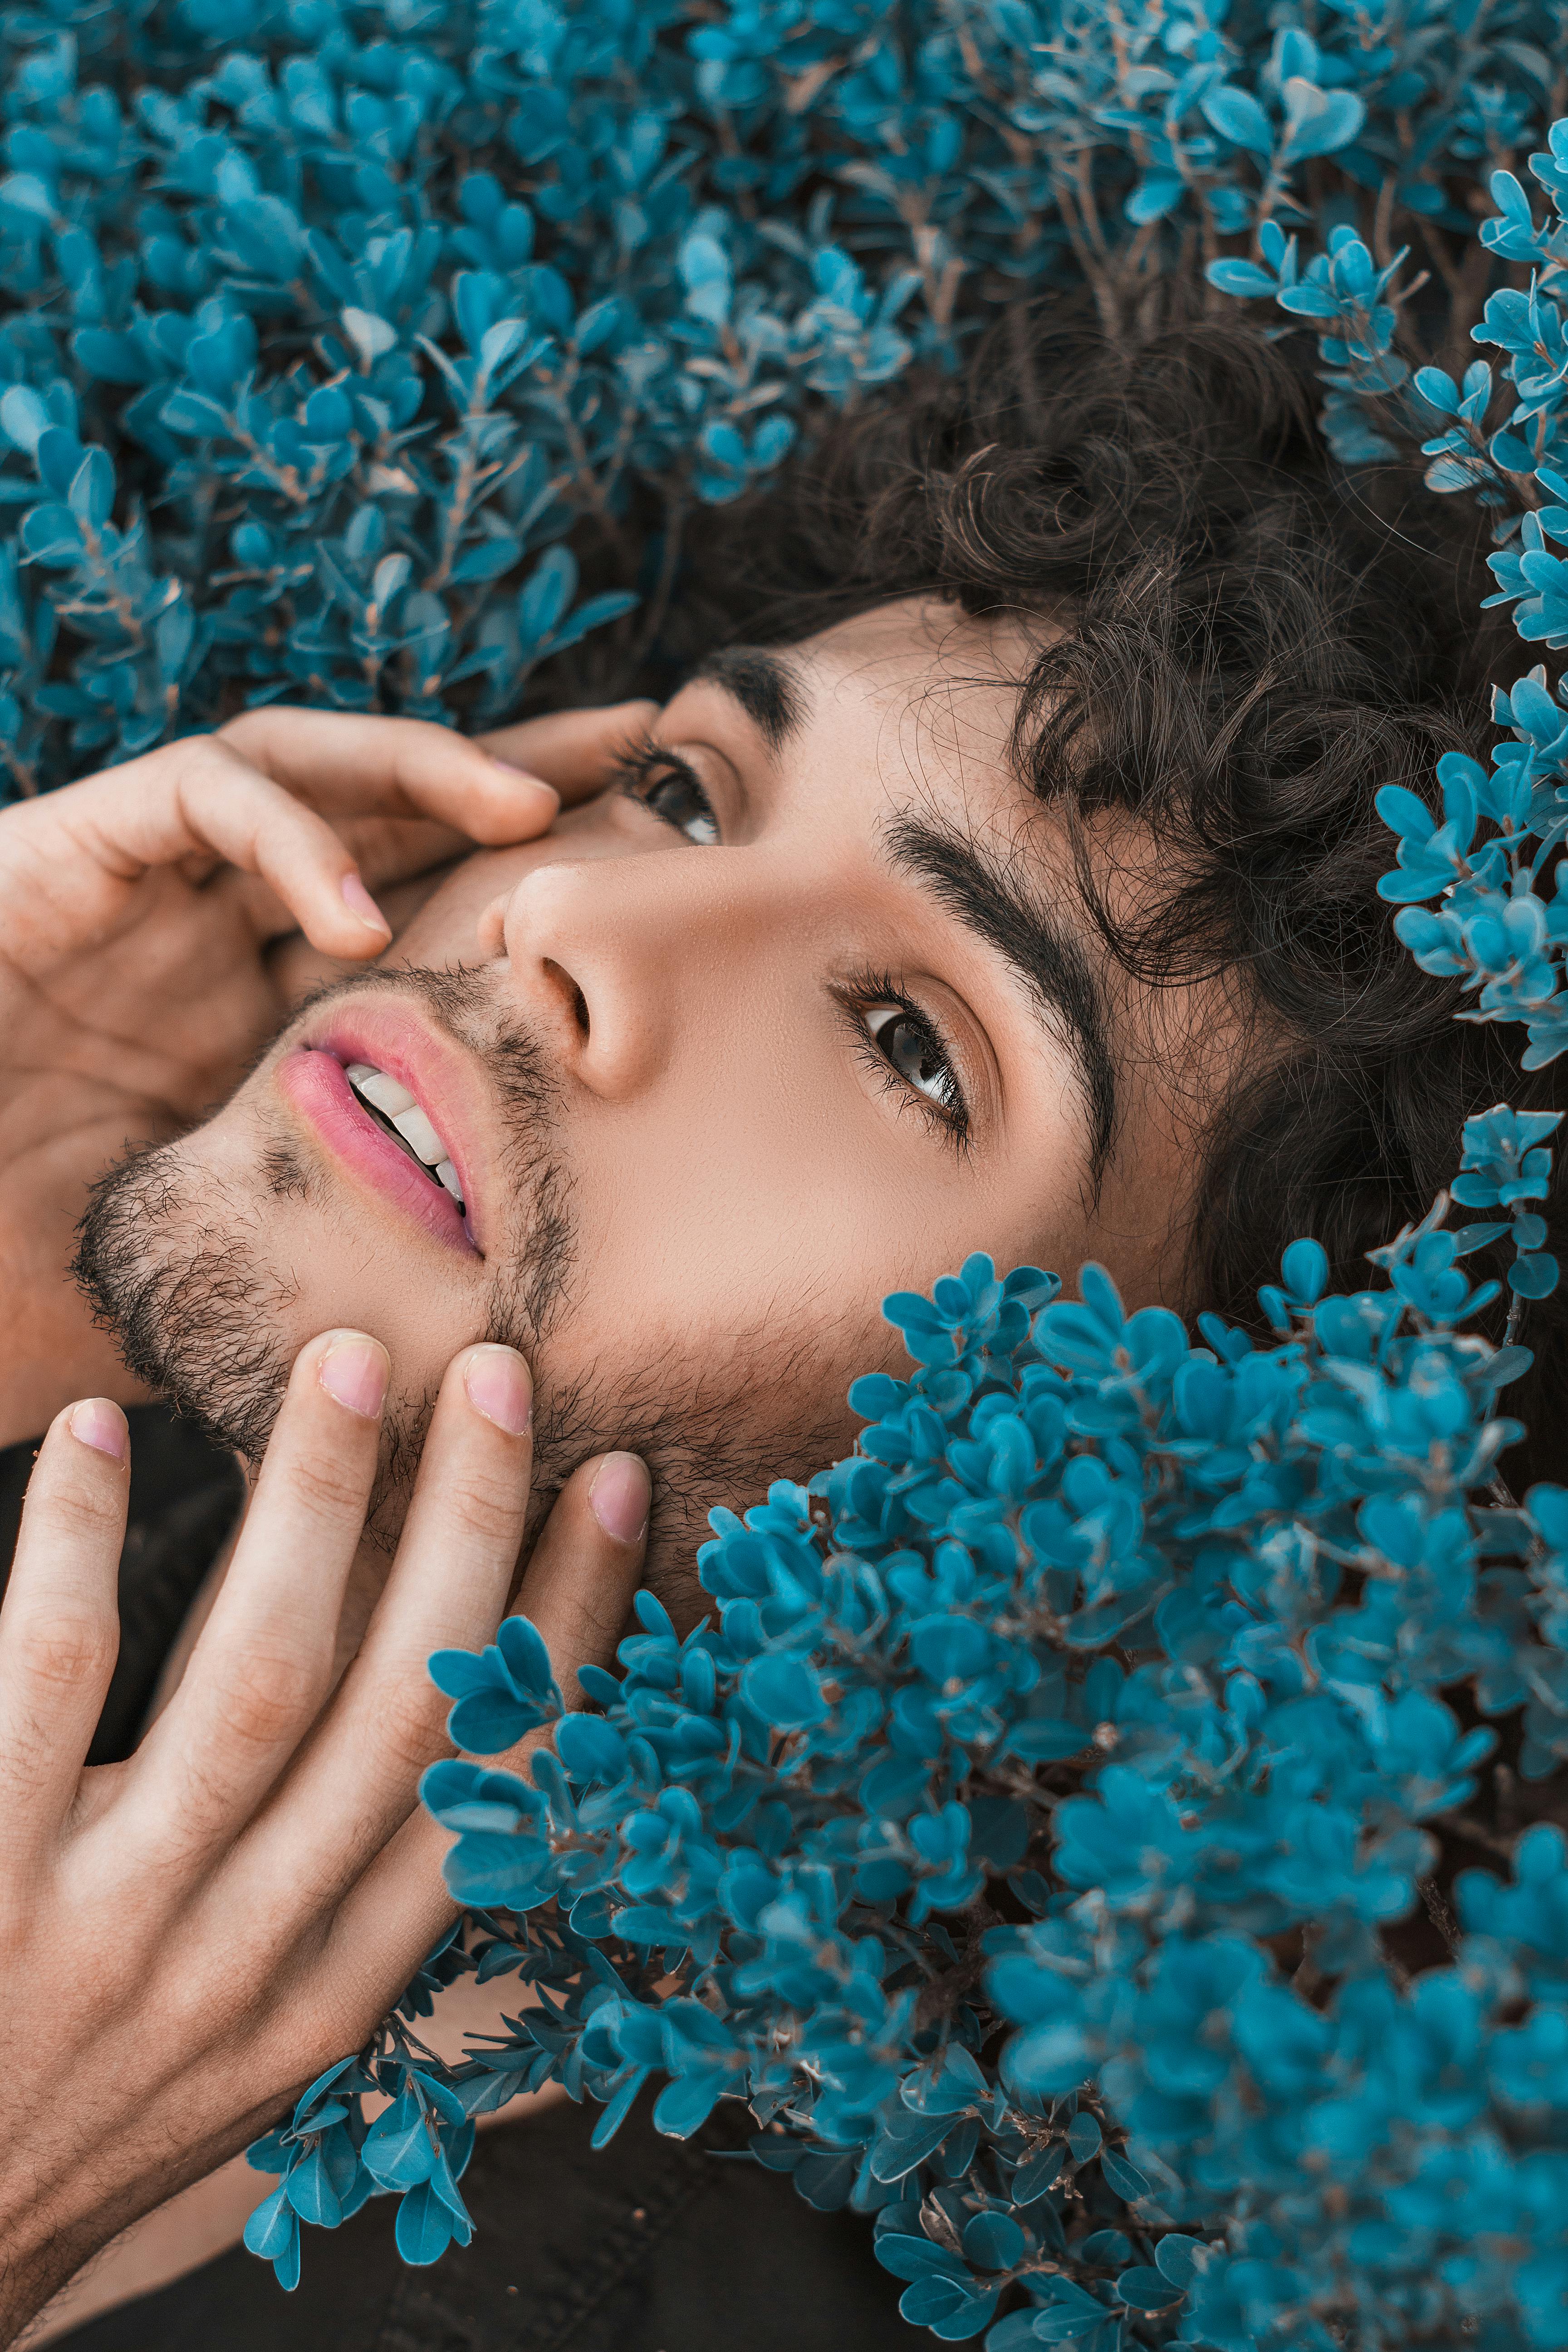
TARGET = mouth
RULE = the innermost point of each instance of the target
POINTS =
(405, 1119)
(394, 1110)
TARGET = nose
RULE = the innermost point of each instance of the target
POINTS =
(591, 947)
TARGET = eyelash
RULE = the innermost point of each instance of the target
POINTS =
(647, 765)
(870, 991)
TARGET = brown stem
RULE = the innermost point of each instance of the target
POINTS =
(942, 1995)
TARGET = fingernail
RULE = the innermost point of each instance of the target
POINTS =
(618, 1497)
(498, 1385)
(102, 1425)
(357, 898)
(517, 775)
(354, 1370)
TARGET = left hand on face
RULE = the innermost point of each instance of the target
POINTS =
(187, 1938)
(137, 908)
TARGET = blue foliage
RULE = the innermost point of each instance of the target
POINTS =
(346, 339)
(1019, 1835)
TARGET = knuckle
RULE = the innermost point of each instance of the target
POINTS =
(79, 1510)
(208, 1791)
(201, 756)
(329, 1487)
(486, 1510)
(264, 1697)
(248, 730)
(408, 1716)
(65, 1649)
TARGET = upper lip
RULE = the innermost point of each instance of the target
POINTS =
(440, 1077)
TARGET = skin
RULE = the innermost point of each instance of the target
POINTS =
(747, 1173)
(266, 1879)
(255, 1926)
(154, 922)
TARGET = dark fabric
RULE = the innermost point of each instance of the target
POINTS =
(651, 2245)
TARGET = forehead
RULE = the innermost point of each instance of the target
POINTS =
(912, 701)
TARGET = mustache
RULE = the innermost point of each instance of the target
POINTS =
(460, 1001)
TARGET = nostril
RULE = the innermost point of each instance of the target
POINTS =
(573, 994)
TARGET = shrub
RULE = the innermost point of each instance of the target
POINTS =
(1021, 1839)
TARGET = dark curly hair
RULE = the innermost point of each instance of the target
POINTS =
(1257, 639)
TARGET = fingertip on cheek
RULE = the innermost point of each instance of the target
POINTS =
(536, 799)
(355, 1372)
(497, 1383)
(100, 1424)
(363, 907)
(619, 1497)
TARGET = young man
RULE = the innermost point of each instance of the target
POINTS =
(1005, 878)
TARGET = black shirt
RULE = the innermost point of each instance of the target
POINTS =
(652, 2245)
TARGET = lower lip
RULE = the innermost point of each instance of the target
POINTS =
(317, 1085)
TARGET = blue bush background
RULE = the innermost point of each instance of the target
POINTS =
(385, 328)
(1020, 1836)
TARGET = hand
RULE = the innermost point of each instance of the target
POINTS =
(136, 909)
(186, 1939)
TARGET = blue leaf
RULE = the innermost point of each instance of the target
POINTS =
(92, 493)
(546, 593)
(1238, 116)
(1145, 2289)
(425, 2226)
(24, 416)
(1243, 277)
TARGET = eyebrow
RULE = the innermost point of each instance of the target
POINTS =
(765, 688)
(1048, 959)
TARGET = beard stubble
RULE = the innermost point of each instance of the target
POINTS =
(180, 1271)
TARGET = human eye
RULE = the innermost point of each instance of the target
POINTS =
(663, 781)
(905, 1048)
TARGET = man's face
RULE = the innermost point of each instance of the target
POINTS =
(803, 1013)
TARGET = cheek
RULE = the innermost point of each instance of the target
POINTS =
(728, 1213)
(320, 1259)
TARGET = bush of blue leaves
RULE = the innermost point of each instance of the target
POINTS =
(1016, 1837)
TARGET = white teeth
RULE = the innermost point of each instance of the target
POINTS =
(398, 1107)
(384, 1092)
(419, 1135)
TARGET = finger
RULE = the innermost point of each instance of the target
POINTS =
(577, 750)
(206, 802)
(454, 1566)
(59, 1627)
(584, 1569)
(577, 1592)
(263, 1664)
(392, 855)
(347, 763)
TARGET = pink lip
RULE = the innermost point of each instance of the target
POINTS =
(313, 1081)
